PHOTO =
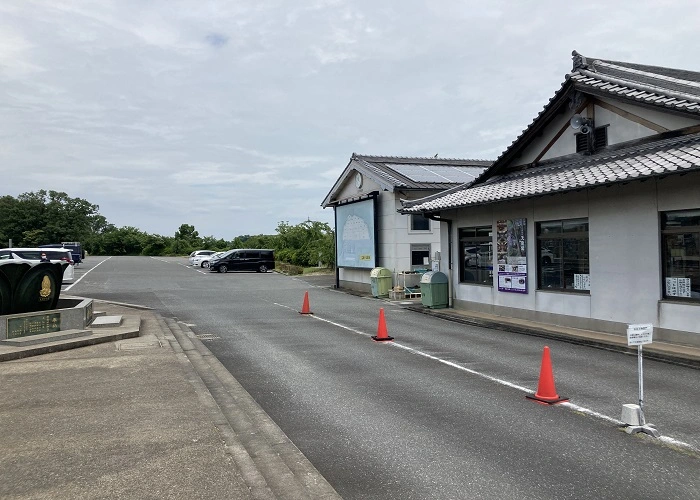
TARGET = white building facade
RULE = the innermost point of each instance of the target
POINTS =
(404, 244)
(591, 218)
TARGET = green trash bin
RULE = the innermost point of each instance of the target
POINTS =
(434, 290)
(380, 281)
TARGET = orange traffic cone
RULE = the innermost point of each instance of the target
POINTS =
(546, 392)
(382, 335)
(305, 306)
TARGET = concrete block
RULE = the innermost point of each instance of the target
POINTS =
(631, 414)
(106, 322)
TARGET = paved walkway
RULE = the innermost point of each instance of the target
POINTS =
(155, 416)
(144, 410)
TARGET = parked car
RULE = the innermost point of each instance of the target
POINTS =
(244, 259)
(76, 250)
(40, 254)
(203, 260)
(197, 253)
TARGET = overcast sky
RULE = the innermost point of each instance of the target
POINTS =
(235, 115)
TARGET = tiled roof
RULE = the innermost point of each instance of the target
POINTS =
(422, 173)
(665, 88)
(409, 173)
(646, 160)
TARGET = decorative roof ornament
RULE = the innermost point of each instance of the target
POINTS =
(580, 61)
(576, 100)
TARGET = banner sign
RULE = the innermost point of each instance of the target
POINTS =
(511, 255)
(355, 234)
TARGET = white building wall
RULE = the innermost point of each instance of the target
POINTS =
(620, 130)
(387, 231)
(679, 193)
(625, 259)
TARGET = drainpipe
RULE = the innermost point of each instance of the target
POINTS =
(449, 254)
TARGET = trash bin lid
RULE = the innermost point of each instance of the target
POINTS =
(380, 272)
(434, 277)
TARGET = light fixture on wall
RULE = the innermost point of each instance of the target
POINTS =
(585, 125)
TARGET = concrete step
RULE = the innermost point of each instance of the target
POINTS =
(45, 337)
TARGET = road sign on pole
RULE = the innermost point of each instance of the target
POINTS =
(639, 335)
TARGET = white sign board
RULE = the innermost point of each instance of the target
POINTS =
(639, 334)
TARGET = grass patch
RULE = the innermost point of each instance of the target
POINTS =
(318, 270)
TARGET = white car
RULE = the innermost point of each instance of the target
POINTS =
(42, 254)
(203, 260)
(198, 253)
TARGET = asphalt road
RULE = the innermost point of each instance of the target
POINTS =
(440, 412)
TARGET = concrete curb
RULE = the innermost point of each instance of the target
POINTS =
(270, 464)
(669, 353)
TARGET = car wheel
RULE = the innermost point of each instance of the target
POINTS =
(262, 268)
(205, 263)
(223, 268)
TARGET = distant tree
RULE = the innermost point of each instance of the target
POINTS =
(58, 216)
(155, 244)
(306, 244)
(186, 240)
(33, 237)
(125, 240)
(211, 243)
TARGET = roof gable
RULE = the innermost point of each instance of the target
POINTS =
(410, 173)
(671, 90)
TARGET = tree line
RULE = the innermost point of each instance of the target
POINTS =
(45, 217)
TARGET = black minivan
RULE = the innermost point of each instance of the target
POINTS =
(244, 259)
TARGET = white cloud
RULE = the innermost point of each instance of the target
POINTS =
(170, 112)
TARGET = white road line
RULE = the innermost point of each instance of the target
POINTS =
(452, 364)
(86, 273)
(180, 264)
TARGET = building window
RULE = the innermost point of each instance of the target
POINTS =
(680, 237)
(419, 223)
(420, 257)
(476, 255)
(562, 255)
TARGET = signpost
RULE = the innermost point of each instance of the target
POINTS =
(633, 415)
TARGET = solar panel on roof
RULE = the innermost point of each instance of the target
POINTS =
(437, 173)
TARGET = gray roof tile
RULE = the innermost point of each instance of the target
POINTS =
(665, 88)
(639, 161)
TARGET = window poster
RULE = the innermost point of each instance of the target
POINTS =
(582, 281)
(678, 287)
(511, 254)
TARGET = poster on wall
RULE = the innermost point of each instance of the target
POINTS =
(511, 255)
(355, 239)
